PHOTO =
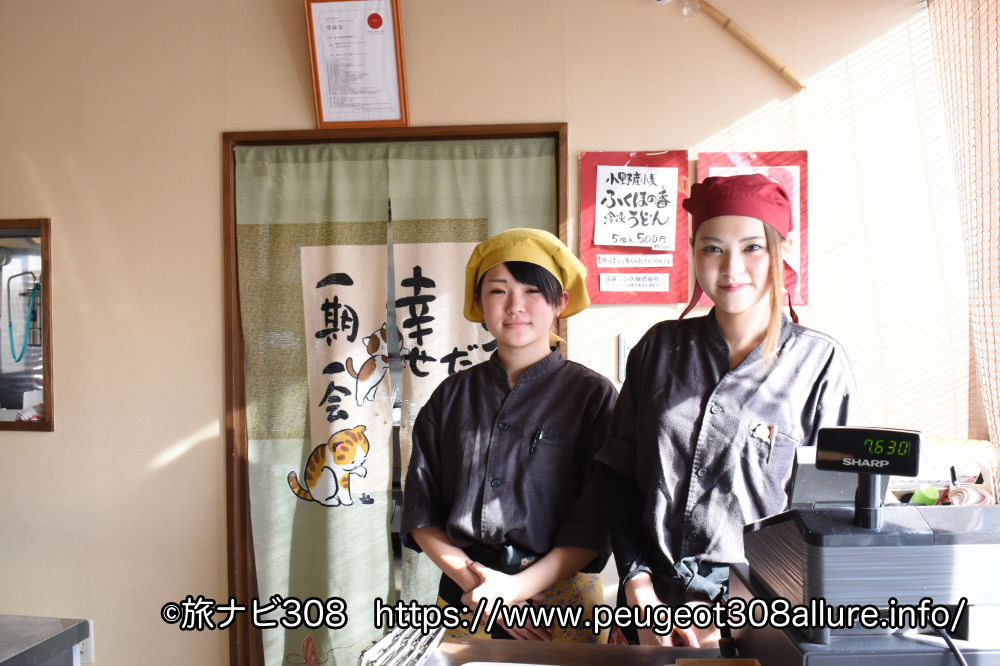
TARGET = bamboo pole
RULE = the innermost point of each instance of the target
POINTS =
(750, 42)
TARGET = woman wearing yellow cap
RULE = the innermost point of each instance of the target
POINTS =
(501, 491)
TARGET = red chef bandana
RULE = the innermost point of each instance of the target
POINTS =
(753, 195)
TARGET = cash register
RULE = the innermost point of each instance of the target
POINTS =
(926, 574)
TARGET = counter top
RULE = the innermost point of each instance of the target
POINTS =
(559, 654)
(26, 640)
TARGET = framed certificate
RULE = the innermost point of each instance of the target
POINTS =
(356, 53)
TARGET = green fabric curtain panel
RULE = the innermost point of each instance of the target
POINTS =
(311, 246)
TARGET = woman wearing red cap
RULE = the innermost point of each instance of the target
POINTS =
(712, 408)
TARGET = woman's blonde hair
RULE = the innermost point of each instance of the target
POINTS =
(776, 281)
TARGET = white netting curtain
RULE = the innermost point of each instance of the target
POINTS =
(965, 37)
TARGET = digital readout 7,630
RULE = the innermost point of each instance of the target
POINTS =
(889, 447)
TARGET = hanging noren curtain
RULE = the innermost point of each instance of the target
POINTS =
(311, 259)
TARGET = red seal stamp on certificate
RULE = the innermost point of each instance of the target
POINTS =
(374, 21)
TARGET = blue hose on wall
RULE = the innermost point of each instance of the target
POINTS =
(27, 326)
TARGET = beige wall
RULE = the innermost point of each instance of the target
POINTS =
(110, 123)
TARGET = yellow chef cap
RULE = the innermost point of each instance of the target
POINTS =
(533, 246)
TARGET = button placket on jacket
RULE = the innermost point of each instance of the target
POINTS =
(713, 426)
(493, 484)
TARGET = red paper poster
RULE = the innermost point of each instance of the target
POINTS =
(633, 231)
(789, 169)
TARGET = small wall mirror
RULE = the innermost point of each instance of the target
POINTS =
(25, 326)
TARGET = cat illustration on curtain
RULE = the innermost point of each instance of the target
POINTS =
(310, 654)
(327, 476)
(369, 375)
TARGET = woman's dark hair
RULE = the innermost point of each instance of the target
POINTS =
(532, 274)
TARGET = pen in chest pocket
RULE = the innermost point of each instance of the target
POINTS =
(535, 436)
(772, 434)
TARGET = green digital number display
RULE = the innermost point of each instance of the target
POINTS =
(889, 447)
